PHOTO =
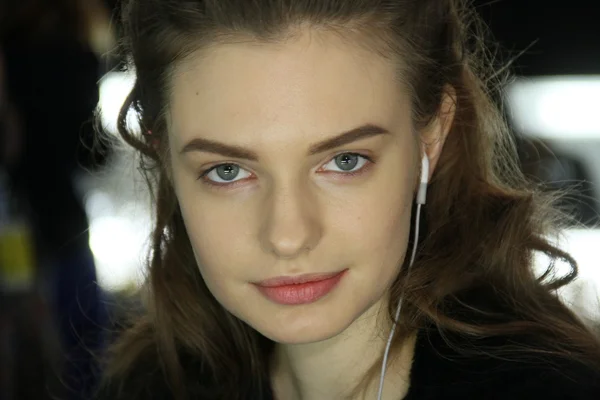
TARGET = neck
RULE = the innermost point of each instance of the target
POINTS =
(331, 369)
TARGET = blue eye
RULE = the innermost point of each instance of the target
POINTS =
(347, 162)
(225, 173)
(229, 174)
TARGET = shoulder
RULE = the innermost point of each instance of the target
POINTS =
(475, 369)
(146, 380)
(548, 380)
(565, 381)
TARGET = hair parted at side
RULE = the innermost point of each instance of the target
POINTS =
(484, 221)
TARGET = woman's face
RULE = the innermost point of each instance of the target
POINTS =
(265, 192)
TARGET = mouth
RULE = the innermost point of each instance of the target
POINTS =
(296, 280)
(301, 289)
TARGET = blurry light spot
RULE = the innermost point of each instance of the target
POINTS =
(556, 107)
(114, 89)
(120, 247)
(583, 294)
(98, 204)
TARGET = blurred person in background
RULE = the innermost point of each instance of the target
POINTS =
(52, 68)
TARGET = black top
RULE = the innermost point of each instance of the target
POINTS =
(438, 372)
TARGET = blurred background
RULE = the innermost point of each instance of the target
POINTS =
(75, 217)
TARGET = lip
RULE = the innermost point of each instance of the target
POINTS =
(302, 289)
(296, 280)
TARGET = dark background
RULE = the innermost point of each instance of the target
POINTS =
(563, 36)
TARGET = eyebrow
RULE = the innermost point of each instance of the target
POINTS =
(227, 150)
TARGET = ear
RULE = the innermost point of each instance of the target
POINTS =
(434, 135)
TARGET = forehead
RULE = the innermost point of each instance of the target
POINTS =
(316, 83)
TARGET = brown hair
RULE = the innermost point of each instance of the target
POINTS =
(483, 221)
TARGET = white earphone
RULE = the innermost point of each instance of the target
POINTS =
(420, 200)
(424, 180)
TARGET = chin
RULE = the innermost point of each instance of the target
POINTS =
(302, 326)
(303, 336)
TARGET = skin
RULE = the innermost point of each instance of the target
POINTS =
(289, 213)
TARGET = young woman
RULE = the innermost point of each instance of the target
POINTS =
(339, 211)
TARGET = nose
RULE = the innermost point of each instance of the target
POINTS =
(291, 224)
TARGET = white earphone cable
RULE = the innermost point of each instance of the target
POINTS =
(389, 341)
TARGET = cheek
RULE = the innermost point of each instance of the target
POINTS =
(380, 214)
(216, 237)
(218, 232)
(375, 229)
(216, 240)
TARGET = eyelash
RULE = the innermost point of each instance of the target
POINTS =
(363, 169)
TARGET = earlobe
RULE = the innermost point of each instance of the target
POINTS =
(434, 136)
